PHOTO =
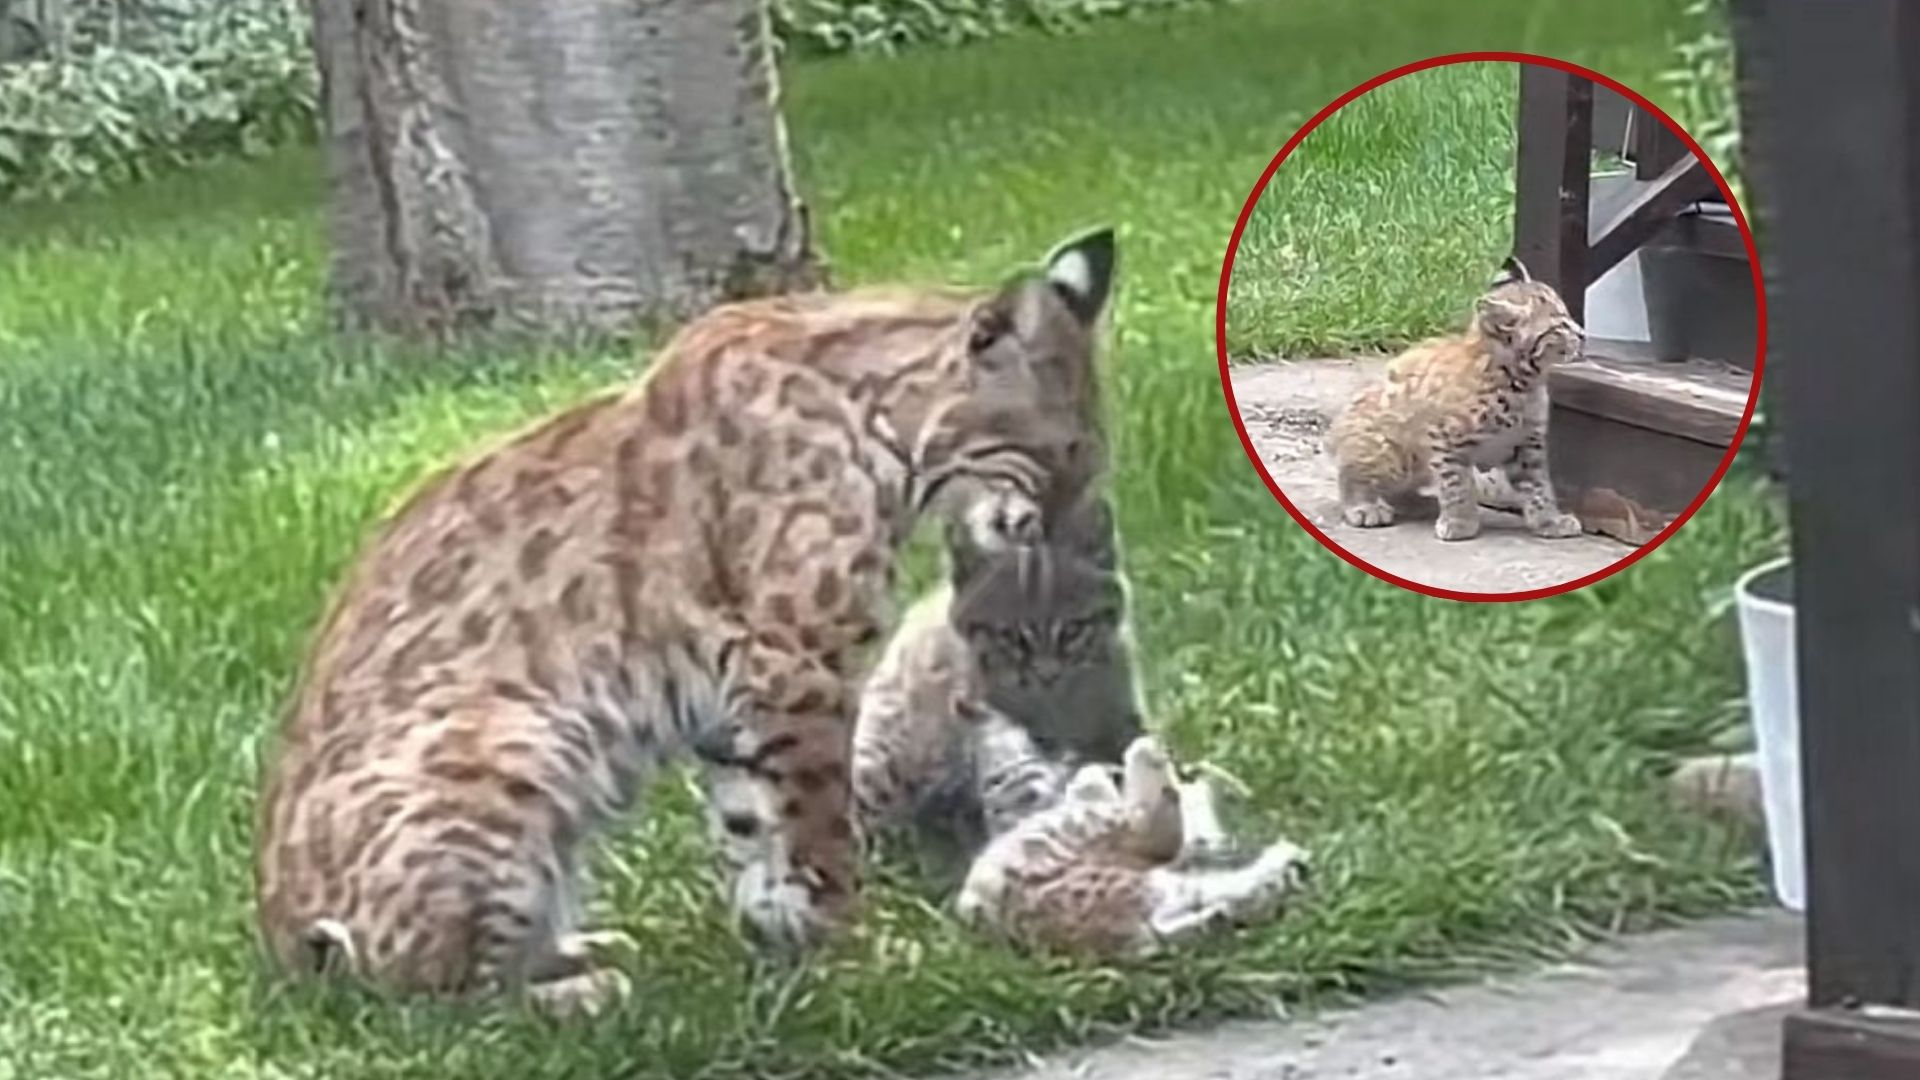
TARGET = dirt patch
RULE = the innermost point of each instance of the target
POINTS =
(1286, 407)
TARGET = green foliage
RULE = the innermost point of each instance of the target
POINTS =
(1702, 88)
(143, 85)
(835, 26)
(237, 77)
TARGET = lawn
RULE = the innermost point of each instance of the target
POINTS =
(1384, 222)
(186, 462)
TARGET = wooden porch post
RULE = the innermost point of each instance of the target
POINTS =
(1551, 188)
(1832, 96)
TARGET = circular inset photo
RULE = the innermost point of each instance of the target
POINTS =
(1491, 326)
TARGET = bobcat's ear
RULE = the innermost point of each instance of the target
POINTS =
(1510, 271)
(1498, 318)
(1080, 270)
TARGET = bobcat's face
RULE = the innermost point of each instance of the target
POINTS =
(1529, 317)
(1047, 628)
(1022, 415)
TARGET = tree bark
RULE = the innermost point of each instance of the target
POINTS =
(553, 166)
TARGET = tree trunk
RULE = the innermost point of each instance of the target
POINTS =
(553, 166)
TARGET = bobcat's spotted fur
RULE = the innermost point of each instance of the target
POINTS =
(1451, 405)
(1117, 870)
(1035, 636)
(695, 565)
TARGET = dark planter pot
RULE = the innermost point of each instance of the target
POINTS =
(1699, 293)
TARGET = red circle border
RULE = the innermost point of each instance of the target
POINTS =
(1753, 265)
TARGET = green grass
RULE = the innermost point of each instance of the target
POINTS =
(186, 462)
(1384, 222)
(1387, 220)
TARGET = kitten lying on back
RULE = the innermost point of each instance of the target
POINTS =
(1449, 405)
(1113, 870)
(1035, 639)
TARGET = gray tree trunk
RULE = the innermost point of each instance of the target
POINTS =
(553, 165)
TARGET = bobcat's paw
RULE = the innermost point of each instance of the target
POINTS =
(1457, 526)
(1146, 755)
(1368, 515)
(1003, 521)
(1556, 527)
(1286, 864)
(581, 997)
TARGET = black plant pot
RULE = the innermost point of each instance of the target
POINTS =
(1698, 290)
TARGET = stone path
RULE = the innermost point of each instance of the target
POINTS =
(1627, 1011)
(1286, 407)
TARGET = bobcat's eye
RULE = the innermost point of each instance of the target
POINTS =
(989, 326)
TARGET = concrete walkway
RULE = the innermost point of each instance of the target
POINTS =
(1628, 1011)
(1286, 408)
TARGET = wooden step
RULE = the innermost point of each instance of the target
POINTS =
(1651, 431)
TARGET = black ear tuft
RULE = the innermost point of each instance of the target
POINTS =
(1511, 271)
(1081, 271)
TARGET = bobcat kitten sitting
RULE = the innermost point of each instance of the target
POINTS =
(1113, 870)
(1449, 405)
(1036, 638)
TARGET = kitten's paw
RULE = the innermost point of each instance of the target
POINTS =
(579, 997)
(780, 912)
(1557, 527)
(1093, 783)
(1287, 864)
(1368, 515)
(1145, 754)
(1457, 526)
(602, 949)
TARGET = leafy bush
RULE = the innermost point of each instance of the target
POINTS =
(236, 78)
(832, 26)
(1702, 82)
(143, 85)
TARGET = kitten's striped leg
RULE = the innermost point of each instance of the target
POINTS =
(1529, 474)
(1015, 780)
(1453, 487)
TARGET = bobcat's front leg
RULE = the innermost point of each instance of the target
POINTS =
(1537, 503)
(1453, 488)
(779, 797)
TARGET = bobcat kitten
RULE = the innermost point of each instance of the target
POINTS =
(1452, 404)
(1035, 636)
(1112, 871)
(691, 566)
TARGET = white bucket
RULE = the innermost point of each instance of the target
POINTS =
(1773, 703)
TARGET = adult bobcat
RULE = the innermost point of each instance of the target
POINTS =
(691, 565)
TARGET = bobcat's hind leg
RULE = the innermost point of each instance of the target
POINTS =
(1192, 903)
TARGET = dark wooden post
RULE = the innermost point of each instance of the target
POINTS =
(1551, 187)
(1833, 97)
